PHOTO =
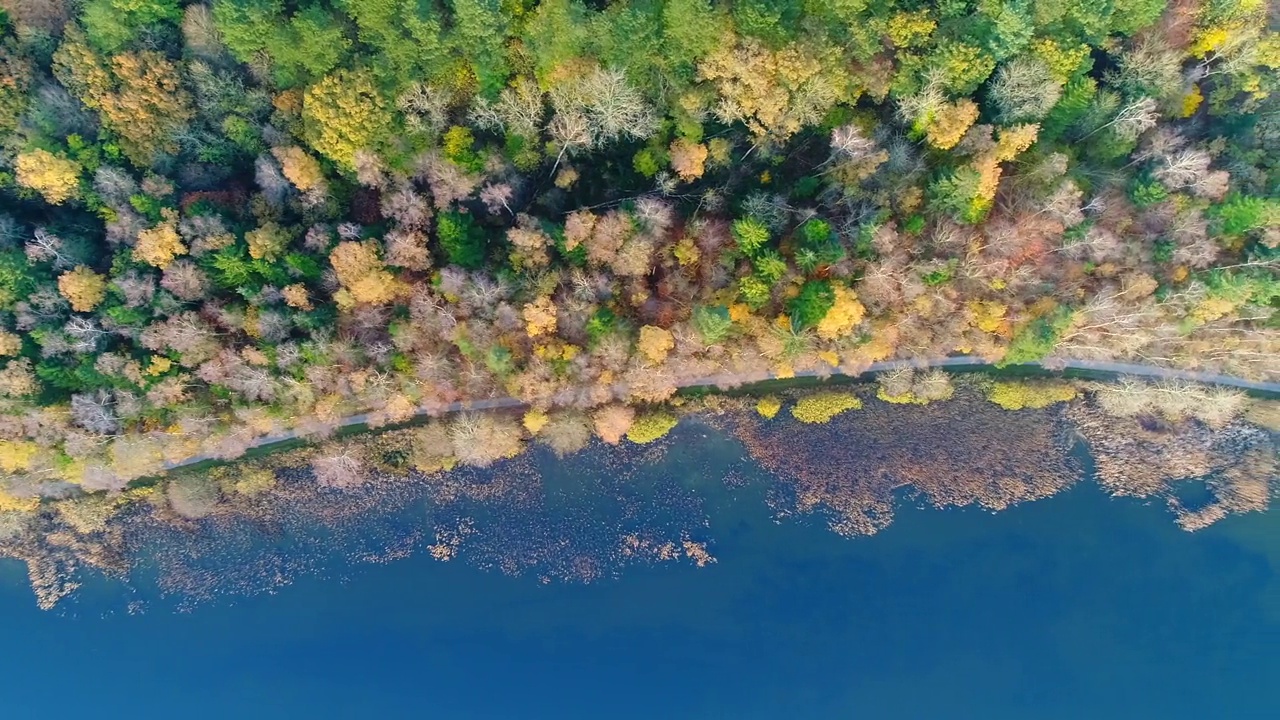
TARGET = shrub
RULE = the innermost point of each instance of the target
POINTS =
(651, 426)
(821, 407)
(1015, 395)
(768, 407)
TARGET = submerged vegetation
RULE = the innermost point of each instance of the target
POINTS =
(564, 495)
(230, 219)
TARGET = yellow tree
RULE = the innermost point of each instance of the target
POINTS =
(343, 113)
(300, 168)
(139, 94)
(83, 288)
(775, 92)
(363, 277)
(159, 245)
(655, 343)
(55, 178)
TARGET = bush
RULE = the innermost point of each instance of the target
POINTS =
(651, 426)
(1015, 395)
(768, 407)
(821, 407)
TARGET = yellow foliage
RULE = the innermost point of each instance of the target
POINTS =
(539, 317)
(296, 296)
(906, 398)
(988, 316)
(535, 419)
(651, 426)
(159, 245)
(83, 288)
(16, 455)
(1014, 140)
(10, 344)
(1191, 102)
(768, 407)
(774, 92)
(1062, 61)
(949, 124)
(655, 343)
(362, 275)
(1211, 309)
(301, 169)
(9, 503)
(139, 94)
(1015, 395)
(1209, 40)
(344, 113)
(821, 407)
(845, 314)
(688, 159)
(267, 242)
(910, 29)
(56, 179)
(159, 365)
(739, 312)
(686, 252)
(829, 357)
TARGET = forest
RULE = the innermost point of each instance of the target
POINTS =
(220, 220)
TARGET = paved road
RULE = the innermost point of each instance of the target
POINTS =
(1102, 366)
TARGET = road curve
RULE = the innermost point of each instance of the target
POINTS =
(1101, 366)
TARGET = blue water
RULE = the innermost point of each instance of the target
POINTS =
(1079, 606)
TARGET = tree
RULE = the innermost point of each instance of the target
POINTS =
(1024, 89)
(774, 93)
(463, 242)
(655, 343)
(138, 94)
(57, 179)
(343, 113)
(845, 313)
(363, 277)
(688, 159)
(83, 288)
(613, 421)
(159, 245)
(301, 169)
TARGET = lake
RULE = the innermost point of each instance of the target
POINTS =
(1078, 605)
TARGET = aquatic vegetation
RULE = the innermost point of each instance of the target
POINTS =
(822, 407)
(570, 509)
(768, 407)
(1030, 394)
(651, 426)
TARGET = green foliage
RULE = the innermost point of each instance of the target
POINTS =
(1241, 214)
(110, 25)
(1147, 191)
(1037, 338)
(648, 161)
(603, 322)
(811, 305)
(16, 279)
(303, 46)
(713, 323)
(754, 291)
(769, 266)
(461, 239)
(751, 235)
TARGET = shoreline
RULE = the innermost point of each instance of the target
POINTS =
(970, 363)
